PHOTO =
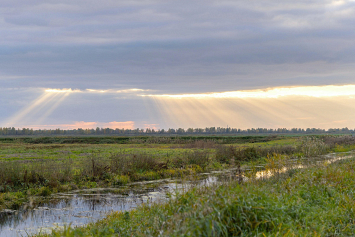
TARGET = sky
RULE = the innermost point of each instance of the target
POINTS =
(170, 64)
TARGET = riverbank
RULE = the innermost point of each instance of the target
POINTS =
(316, 201)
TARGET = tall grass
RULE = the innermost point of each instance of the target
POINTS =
(317, 201)
(17, 175)
(312, 146)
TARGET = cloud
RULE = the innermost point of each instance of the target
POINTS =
(26, 21)
(65, 90)
(303, 91)
(152, 126)
(110, 91)
(114, 124)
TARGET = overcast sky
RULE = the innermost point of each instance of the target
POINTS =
(170, 47)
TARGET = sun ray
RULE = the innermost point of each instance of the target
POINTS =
(182, 110)
(20, 115)
(259, 111)
(211, 112)
(271, 112)
(40, 108)
(159, 109)
(53, 107)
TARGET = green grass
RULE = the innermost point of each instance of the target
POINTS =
(317, 201)
(27, 148)
(226, 139)
(44, 151)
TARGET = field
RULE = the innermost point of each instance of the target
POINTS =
(39, 167)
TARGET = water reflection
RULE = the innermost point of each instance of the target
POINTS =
(80, 207)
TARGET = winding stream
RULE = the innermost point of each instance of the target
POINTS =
(80, 207)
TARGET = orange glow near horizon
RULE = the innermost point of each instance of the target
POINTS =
(86, 125)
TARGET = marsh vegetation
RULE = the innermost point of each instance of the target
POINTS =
(35, 169)
(317, 201)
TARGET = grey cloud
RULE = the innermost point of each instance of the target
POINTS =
(167, 44)
(159, 20)
(26, 20)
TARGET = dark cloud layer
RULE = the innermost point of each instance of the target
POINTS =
(159, 44)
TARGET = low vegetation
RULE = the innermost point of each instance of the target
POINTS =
(315, 201)
(41, 169)
(187, 140)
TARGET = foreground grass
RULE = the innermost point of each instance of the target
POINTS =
(316, 201)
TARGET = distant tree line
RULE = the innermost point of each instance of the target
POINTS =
(180, 131)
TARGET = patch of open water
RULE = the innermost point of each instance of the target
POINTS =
(80, 207)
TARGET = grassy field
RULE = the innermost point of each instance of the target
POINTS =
(42, 166)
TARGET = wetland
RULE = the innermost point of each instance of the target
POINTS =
(57, 186)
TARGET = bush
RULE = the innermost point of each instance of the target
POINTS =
(333, 141)
(128, 163)
(200, 158)
(312, 146)
(44, 191)
(224, 154)
(121, 180)
(230, 154)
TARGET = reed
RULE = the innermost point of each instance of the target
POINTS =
(315, 201)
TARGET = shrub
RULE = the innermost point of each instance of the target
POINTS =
(44, 191)
(179, 162)
(312, 146)
(200, 158)
(224, 154)
(248, 154)
(128, 163)
(230, 154)
(121, 180)
(333, 141)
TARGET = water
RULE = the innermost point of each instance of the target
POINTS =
(80, 207)
(325, 159)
